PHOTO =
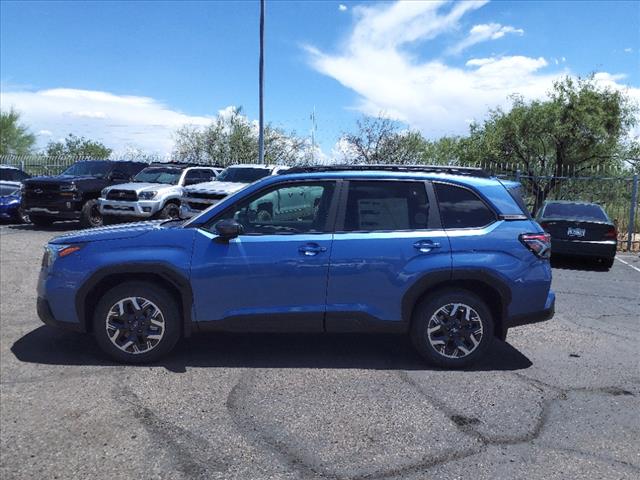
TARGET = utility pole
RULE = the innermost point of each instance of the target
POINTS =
(261, 87)
(313, 135)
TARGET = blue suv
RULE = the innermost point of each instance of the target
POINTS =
(447, 255)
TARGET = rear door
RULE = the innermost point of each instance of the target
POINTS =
(387, 237)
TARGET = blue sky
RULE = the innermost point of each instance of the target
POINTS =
(129, 73)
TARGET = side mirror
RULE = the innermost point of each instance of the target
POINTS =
(228, 229)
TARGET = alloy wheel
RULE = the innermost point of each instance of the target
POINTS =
(135, 325)
(455, 330)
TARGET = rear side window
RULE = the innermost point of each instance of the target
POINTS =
(378, 206)
(461, 208)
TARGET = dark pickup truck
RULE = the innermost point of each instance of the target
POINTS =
(73, 195)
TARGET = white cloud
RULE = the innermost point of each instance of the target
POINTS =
(119, 121)
(429, 95)
(482, 33)
(342, 8)
(628, 50)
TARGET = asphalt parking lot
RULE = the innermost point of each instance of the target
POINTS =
(559, 400)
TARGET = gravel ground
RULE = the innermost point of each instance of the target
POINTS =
(559, 400)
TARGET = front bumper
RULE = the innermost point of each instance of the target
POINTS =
(46, 315)
(60, 209)
(141, 208)
(585, 248)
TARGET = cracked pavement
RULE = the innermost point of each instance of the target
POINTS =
(559, 400)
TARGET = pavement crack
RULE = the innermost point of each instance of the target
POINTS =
(184, 448)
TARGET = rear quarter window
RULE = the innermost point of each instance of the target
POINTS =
(461, 208)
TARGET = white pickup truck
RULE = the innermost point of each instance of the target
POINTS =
(154, 192)
(198, 198)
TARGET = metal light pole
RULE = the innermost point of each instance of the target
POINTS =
(261, 87)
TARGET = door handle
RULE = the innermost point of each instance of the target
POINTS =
(425, 246)
(311, 249)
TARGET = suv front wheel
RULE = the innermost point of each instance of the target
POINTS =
(136, 322)
(452, 328)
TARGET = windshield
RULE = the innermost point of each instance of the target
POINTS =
(583, 211)
(12, 175)
(242, 174)
(170, 176)
(92, 168)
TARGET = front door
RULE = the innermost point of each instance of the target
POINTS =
(274, 275)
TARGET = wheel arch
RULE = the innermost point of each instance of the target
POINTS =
(489, 287)
(106, 278)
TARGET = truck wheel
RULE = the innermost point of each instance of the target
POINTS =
(41, 221)
(170, 211)
(90, 215)
(136, 322)
(452, 328)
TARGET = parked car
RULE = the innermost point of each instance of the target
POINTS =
(74, 193)
(579, 228)
(10, 210)
(10, 179)
(200, 197)
(154, 192)
(443, 254)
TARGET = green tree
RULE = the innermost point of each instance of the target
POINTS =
(15, 137)
(232, 139)
(578, 126)
(80, 147)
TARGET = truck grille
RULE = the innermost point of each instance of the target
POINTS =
(207, 196)
(122, 195)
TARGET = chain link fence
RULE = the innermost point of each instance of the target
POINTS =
(615, 188)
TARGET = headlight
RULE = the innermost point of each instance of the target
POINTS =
(146, 195)
(71, 187)
(54, 251)
(104, 192)
(22, 188)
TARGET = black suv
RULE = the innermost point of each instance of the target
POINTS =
(74, 193)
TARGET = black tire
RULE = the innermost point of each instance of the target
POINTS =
(41, 221)
(158, 297)
(171, 211)
(439, 305)
(90, 215)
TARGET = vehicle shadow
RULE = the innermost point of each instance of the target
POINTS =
(565, 262)
(49, 346)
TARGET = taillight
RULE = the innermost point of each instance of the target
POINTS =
(538, 243)
(612, 233)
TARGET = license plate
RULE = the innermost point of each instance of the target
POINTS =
(575, 232)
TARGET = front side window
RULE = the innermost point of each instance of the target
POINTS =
(461, 208)
(288, 209)
(384, 205)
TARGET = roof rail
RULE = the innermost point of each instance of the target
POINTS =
(174, 163)
(450, 169)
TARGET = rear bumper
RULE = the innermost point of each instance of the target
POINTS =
(46, 315)
(543, 315)
(587, 248)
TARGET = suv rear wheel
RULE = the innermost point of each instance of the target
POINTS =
(90, 215)
(452, 328)
(136, 322)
